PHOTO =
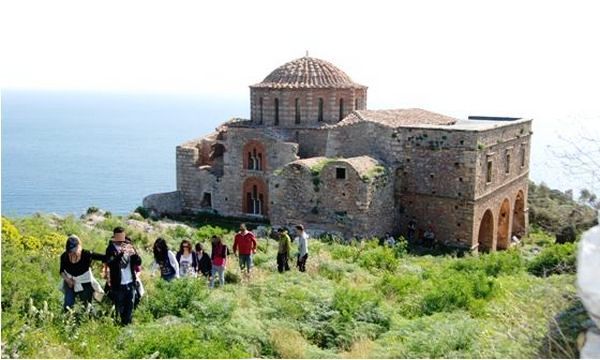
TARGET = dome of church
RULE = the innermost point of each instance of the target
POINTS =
(307, 72)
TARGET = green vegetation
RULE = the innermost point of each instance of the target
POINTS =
(356, 300)
(374, 173)
(557, 213)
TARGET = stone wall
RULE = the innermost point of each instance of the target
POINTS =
(353, 206)
(164, 203)
(308, 103)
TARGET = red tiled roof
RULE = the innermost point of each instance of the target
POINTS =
(307, 72)
(398, 117)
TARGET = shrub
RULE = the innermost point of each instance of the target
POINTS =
(554, 259)
(492, 264)
(142, 211)
(92, 210)
(399, 285)
(232, 278)
(380, 257)
(207, 231)
(457, 290)
(176, 297)
(179, 232)
(179, 341)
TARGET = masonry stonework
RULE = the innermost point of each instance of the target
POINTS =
(313, 153)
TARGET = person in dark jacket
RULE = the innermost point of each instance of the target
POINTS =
(204, 262)
(78, 280)
(122, 260)
(165, 260)
(187, 259)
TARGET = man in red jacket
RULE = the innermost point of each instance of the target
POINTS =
(244, 244)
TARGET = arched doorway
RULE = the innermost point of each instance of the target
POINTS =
(255, 197)
(486, 232)
(503, 222)
(518, 226)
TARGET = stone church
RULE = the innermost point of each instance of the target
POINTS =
(312, 153)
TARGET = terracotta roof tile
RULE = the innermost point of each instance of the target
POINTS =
(307, 72)
(398, 117)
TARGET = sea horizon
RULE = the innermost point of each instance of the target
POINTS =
(65, 151)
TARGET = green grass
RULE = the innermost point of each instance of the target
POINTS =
(357, 300)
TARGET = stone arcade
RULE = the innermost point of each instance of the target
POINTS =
(312, 153)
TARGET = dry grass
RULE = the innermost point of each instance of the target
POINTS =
(288, 343)
(361, 349)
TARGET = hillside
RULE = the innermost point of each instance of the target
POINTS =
(357, 300)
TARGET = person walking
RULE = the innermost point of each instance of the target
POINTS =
(78, 279)
(302, 239)
(165, 260)
(186, 257)
(204, 261)
(219, 260)
(244, 244)
(283, 252)
(122, 259)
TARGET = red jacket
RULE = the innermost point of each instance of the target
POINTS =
(245, 244)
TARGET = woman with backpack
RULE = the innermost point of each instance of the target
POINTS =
(187, 259)
(219, 260)
(165, 260)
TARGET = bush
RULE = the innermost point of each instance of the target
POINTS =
(142, 211)
(176, 297)
(554, 259)
(92, 210)
(179, 341)
(378, 258)
(493, 264)
(207, 231)
(457, 290)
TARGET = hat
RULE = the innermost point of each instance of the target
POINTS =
(72, 243)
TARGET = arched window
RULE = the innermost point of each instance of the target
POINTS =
(254, 158)
(356, 102)
(341, 109)
(255, 196)
(260, 116)
(297, 103)
(320, 116)
(276, 122)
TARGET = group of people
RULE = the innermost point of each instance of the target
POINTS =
(122, 265)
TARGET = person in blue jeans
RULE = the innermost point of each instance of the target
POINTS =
(165, 260)
(122, 259)
(78, 280)
(219, 260)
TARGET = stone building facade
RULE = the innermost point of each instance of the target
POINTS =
(312, 153)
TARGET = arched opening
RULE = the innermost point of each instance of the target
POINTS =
(320, 115)
(260, 115)
(276, 121)
(341, 109)
(518, 226)
(297, 104)
(255, 197)
(503, 221)
(255, 156)
(486, 232)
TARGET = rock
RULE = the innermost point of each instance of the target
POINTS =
(164, 203)
(140, 225)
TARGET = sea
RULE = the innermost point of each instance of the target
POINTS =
(63, 152)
